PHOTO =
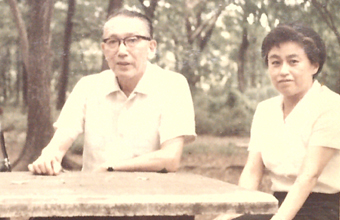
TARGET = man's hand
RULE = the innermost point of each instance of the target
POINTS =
(49, 162)
(46, 164)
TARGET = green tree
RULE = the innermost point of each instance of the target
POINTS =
(114, 5)
(215, 44)
(328, 10)
(63, 77)
(36, 61)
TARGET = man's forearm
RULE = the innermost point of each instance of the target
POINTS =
(148, 162)
(167, 158)
(59, 144)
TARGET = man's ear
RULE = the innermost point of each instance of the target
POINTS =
(103, 48)
(152, 49)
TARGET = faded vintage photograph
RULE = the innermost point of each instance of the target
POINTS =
(169, 109)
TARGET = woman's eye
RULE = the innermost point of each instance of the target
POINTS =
(294, 61)
(275, 63)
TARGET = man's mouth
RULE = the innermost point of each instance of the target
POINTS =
(123, 63)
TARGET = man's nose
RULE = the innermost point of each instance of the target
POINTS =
(122, 49)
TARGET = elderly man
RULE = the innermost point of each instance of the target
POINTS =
(134, 116)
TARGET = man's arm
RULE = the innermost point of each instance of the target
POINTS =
(49, 162)
(252, 173)
(167, 158)
(315, 161)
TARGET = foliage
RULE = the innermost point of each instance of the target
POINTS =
(215, 145)
(220, 108)
(219, 113)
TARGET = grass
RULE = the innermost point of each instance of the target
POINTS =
(218, 145)
(14, 118)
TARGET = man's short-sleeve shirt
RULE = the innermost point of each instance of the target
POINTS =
(117, 127)
(315, 121)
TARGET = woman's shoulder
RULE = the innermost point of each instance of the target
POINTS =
(271, 102)
(328, 94)
(328, 98)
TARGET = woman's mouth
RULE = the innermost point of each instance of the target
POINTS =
(285, 81)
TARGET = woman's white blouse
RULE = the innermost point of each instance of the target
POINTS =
(315, 121)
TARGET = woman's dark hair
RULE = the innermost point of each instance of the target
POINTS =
(133, 14)
(311, 42)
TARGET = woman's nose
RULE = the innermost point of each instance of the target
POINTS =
(284, 68)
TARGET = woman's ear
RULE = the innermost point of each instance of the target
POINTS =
(316, 67)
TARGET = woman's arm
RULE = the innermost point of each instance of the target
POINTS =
(252, 173)
(315, 161)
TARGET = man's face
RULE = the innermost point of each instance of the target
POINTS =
(126, 61)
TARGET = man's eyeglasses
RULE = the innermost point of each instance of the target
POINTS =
(130, 41)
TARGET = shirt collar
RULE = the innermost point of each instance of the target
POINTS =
(110, 83)
(305, 102)
(314, 89)
(144, 85)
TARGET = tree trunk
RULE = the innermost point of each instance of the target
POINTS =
(189, 65)
(241, 61)
(4, 67)
(19, 22)
(149, 11)
(198, 33)
(113, 6)
(329, 19)
(24, 84)
(39, 125)
(63, 78)
(18, 86)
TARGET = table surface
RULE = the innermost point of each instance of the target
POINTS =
(125, 194)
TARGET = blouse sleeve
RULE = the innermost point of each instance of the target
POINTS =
(255, 132)
(326, 129)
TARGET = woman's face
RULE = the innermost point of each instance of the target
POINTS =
(290, 70)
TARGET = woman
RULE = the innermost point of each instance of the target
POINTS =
(296, 136)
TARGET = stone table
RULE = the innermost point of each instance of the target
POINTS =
(125, 194)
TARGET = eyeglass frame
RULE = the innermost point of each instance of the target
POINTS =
(120, 40)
